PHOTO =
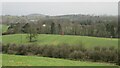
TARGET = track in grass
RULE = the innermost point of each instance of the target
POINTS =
(15, 60)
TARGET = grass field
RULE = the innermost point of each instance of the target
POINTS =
(4, 28)
(0, 60)
(44, 39)
(15, 60)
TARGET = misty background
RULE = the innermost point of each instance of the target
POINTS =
(59, 8)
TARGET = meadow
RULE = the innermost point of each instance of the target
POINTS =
(17, 60)
(47, 39)
(4, 28)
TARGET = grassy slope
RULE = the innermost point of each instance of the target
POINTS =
(14, 60)
(58, 39)
(0, 60)
(4, 28)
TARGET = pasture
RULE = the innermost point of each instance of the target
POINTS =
(17, 60)
(4, 28)
(47, 39)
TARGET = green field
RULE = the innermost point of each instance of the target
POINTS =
(44, 39)
(15, 60)
(0, 60)
(4, 28)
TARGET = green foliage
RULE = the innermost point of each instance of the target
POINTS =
(85, 25)
(78, 55)
(31, 31)
(53, 28)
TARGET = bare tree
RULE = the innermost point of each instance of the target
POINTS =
(31, 31)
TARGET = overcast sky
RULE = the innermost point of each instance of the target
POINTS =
(60, 8)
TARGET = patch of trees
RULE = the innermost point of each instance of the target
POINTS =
(76, 52)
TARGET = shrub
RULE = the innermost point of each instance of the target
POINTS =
(103, 49)
(7, 33)
(31, 49)
(80, 48)
(118, 62)
(64, 51)
(56, 52)
(12, 49)
(0, 48)
(39, 50)
(5, 48)
(95, 56)
(111, 48)
(97, 48)
(77, 55)
(47, 51)
(21, 50)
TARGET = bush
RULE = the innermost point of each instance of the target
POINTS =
(12, 49)
(21, 50)
(96, 55)
(56, 52)
(97, 48)
(103, 49)
(0, 49)
(5, 48)
(118, 61)
(77, 55)
(64, 51)
(7, 33)
(47, 51)
(39, 50)
(111, 48)
(31, 49)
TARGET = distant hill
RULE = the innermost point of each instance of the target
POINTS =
(41, 15)
(70, 17)
(37, 16)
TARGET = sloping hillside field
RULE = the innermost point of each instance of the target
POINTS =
(44, 39)
(4, 28)
(15, 60)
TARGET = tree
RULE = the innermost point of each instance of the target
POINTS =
(53, 28)
(31, 31)
(59, 29)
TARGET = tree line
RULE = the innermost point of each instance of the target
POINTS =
(98, 26)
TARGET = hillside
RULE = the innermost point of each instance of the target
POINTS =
(16, 60)
(4, 28)
(70, 17)
(47, 39)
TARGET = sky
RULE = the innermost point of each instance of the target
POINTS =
(59, 8)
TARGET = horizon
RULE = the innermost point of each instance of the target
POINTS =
(59, 14)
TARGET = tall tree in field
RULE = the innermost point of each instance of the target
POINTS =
(31, 30)
(52, 28)
(59, 29)
(74, 28)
